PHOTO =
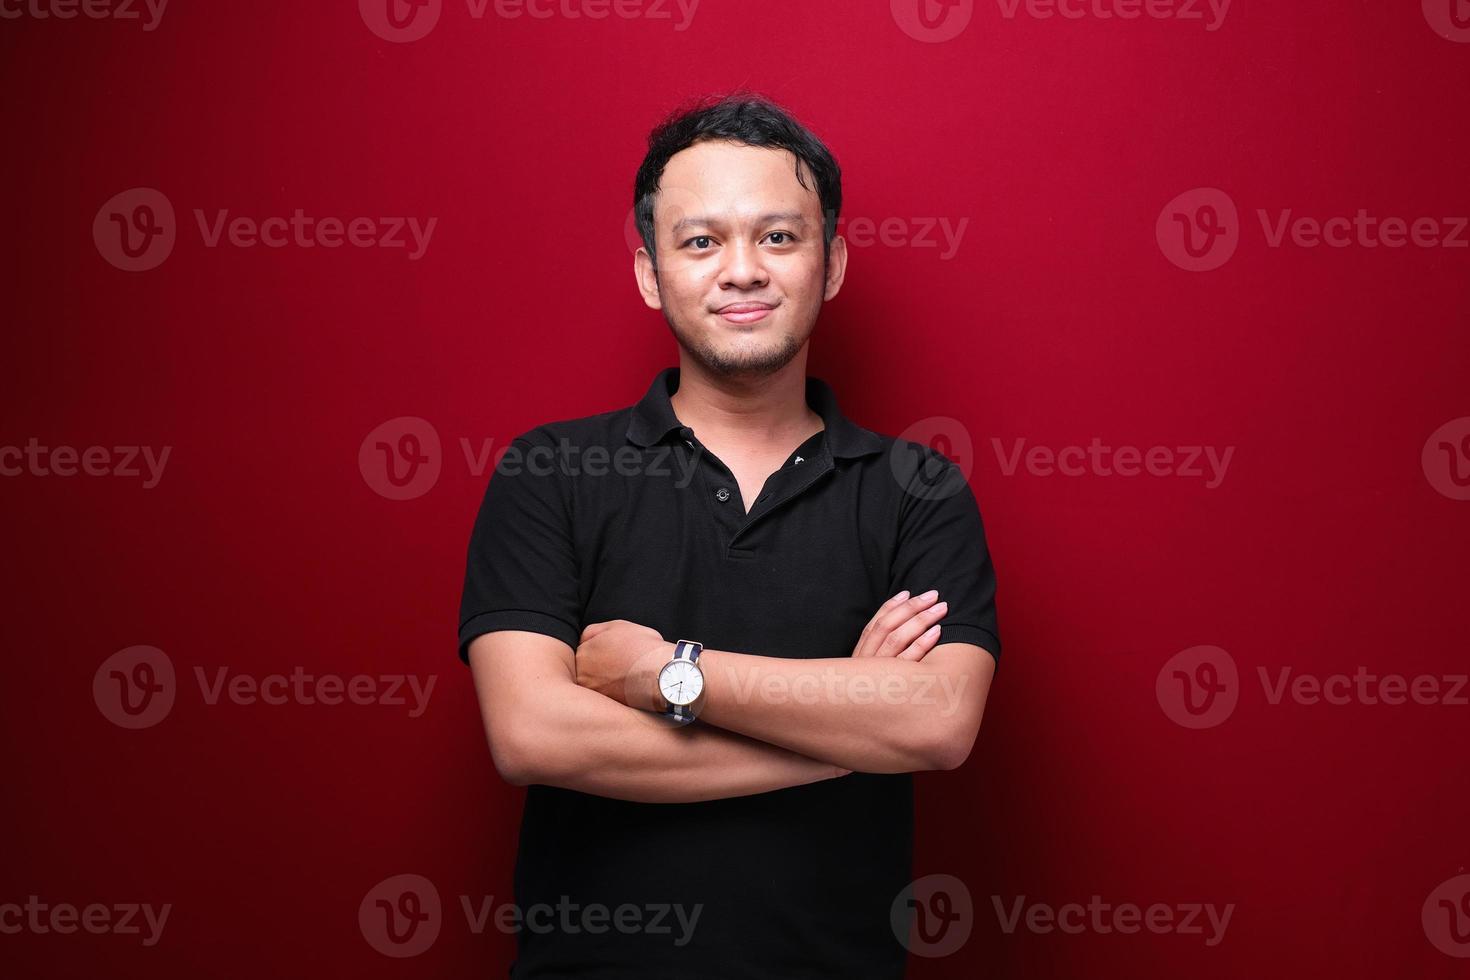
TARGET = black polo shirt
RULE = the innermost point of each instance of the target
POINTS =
(626, 515)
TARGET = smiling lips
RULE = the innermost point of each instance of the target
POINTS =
(745, 312)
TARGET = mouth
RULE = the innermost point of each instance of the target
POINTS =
(745, 312)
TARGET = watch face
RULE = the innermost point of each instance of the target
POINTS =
(680, 681)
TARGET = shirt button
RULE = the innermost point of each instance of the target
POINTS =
(722, 495)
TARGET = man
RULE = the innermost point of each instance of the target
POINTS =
(716, 631)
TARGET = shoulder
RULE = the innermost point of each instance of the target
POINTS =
(605, 429)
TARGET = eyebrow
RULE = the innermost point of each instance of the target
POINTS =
(770, 217)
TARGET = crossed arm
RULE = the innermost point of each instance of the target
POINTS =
(900, 703)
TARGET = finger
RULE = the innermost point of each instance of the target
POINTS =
(905, 634)
(895, 618)
(864, 648)
(594, 628)
(921, 646)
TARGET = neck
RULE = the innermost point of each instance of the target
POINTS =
(749, 411)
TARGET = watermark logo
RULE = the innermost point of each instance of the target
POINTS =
(1446, 459)
(135, 688)
(400, 21)
(933, 915)
(1199, 230)
(401, 459)
(1446, 917)
(923, 474)
(1450, 19)
(135, 230)
(1198, 687)
(401, 916)
(932, 21)
(404, 21)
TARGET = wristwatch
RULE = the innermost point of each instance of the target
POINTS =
(681, 682)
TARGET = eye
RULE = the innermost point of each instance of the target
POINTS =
(698, 238)
(783, 234)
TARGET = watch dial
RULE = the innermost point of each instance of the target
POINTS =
(680, 682)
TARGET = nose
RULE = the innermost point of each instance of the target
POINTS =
(741, 267)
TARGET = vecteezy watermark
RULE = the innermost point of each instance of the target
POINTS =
(63, 918)
(941, 235)
(1208, 463)
(1450, 19)
(944, 234)
(830, 685)
(137, 687)
(656, 918)
(1363, 686)
(1201, 229)
(933, 458)
(402, 21)
(303, 688)
(1210, 13)
(1102, 918)
(1446, 917)
(402, 916)
(1446, 459)
(1200, 687)
(148, 12)
(402, 459)
(933, 21)
(136, 230)
(37, 460)
(933, 915)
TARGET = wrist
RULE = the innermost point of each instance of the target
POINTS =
(648, 670)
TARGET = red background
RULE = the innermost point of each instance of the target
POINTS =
(264, 548)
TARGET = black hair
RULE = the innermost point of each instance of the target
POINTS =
(741, 117)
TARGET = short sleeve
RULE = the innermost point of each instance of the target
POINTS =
(941, 545)
(522, 570)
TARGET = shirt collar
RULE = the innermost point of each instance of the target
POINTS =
(653, 417)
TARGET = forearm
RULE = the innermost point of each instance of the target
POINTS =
(867, 714)
(581, 740)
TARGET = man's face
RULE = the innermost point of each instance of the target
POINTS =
(736, 231)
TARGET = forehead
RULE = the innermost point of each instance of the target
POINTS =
(722, 178)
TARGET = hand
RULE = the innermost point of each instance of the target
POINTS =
(621, 660)
(903, 627)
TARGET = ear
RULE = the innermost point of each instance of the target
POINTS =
(836, 267)
(647, 278)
